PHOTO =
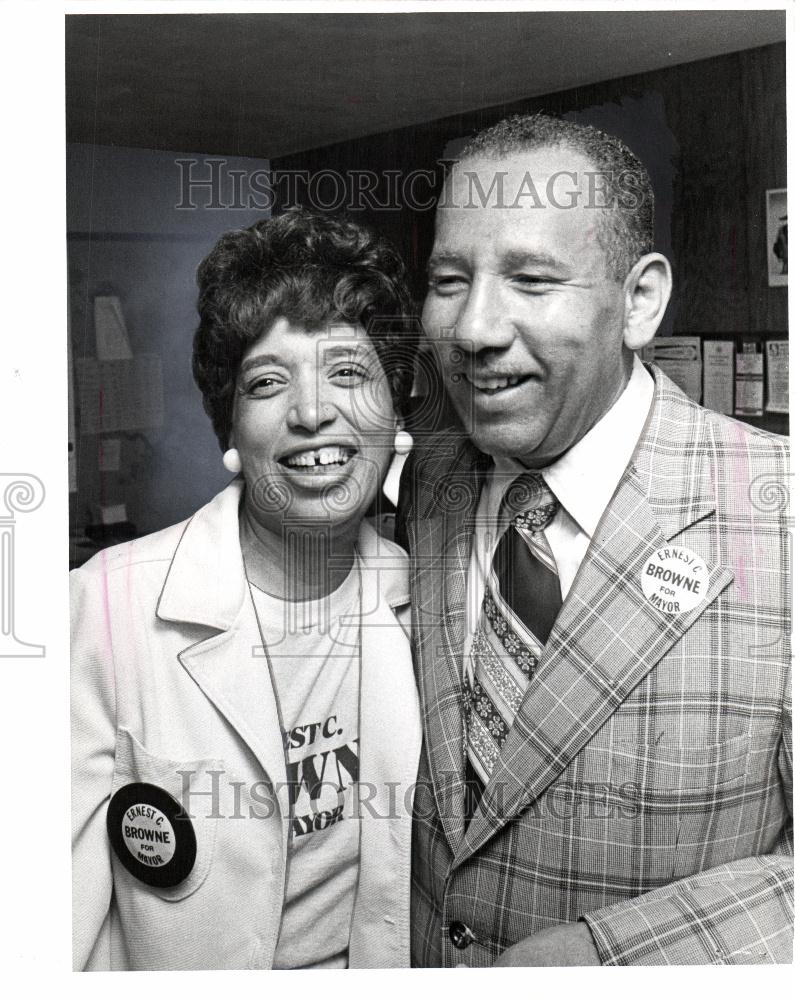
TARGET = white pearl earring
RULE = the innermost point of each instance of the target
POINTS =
(231, 461)
(403, 443)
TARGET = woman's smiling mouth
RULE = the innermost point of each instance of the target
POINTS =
(332, 457)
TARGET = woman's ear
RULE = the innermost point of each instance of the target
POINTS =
(647, 289)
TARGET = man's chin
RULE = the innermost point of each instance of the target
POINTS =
(505, 443)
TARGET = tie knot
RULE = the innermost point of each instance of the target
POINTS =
(529, 503)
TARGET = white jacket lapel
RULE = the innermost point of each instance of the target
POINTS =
(390, 739)
(206, 585)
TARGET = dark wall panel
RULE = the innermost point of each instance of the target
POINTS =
(714, 140)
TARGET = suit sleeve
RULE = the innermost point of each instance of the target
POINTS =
(93, 713)
(740, 913)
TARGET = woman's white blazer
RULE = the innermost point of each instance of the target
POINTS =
(170, 687)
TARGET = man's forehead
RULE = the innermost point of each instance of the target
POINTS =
(542, 163)
(522, 201)
(507, 215)
(491, 192)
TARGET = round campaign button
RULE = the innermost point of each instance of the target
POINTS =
(151, 834)
(675, 579)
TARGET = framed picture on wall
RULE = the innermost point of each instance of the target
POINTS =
(777, 237)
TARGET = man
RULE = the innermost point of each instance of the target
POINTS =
(600, 595)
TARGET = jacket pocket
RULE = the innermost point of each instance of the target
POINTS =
(670, 769)
(185, 781)
(642, 815)
(696, 797)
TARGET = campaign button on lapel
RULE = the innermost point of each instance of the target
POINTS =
(675, 579)
(151, 834)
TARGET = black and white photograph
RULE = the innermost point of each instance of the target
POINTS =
(397, 506)
(777, 238)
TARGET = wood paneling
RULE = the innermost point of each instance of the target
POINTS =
(724, 125)
(764, 116)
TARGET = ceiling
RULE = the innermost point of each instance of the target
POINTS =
(267, 85)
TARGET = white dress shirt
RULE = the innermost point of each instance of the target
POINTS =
(584, 480)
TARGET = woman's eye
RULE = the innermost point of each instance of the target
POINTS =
(349, 372)
(264, 385)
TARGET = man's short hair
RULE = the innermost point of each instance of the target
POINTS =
(627, 229)
(313, 270)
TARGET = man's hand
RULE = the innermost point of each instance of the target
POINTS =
(563, 944)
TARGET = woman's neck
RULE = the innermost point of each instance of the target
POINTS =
(299, 563)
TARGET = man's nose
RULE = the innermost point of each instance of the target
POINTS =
(309, 411)
(483, 322)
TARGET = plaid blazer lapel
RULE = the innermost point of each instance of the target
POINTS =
(607, 636)
(449, 488)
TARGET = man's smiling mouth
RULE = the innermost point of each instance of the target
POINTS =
(312, 458)
(490, 385)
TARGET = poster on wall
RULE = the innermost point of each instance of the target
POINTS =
(777, 237)
(719, 375)
(777, 376)
(749, 384)
(680, 359)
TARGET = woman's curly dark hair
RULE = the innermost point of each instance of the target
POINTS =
(312, 270)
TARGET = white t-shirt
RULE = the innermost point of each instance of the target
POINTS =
(314, 653)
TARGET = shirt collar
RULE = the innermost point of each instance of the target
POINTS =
(586, 477)
(206, 581)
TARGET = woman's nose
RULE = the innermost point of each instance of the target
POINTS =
(309, 411)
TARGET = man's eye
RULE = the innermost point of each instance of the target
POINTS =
(532, 282)
(446, 282)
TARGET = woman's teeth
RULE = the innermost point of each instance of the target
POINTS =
(320, 456)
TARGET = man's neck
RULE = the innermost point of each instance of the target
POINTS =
(587, 475)
(537, 462)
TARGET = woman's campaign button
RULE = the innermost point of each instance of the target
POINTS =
(151, 834)
(675, 579)
(148, 835)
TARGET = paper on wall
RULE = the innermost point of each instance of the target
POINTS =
(719, 375)
(110, 329)
(777, 376)
(680, 359)
(115, 513)
(749, 384)
(748, 398)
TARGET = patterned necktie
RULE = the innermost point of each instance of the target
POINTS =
(520, 604)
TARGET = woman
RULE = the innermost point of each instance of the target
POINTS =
(245, 723)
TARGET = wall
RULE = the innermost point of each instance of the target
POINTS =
(711, 132)
(713, 136)
(127, 237)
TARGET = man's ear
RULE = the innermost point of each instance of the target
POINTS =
(647, 289)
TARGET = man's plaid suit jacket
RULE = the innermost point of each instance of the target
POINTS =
(646, 784)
